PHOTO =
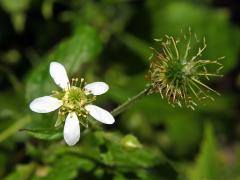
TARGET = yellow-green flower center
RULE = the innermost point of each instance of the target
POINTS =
(74, 100)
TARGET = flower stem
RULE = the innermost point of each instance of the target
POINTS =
(130, 101)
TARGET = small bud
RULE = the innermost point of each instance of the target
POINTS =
(130, 142)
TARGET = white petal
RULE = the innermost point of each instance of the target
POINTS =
(59, 75)
(97, 88)
(100, 114)
(45, 104)
(71, 130)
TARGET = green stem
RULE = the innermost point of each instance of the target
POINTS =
(130, 101)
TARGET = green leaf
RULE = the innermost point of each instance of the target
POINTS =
(11, 107)
(67, 167)
(81, 48)
(207, 164)
(139, 162)
(13, 128)
(141, 48)
(45, 134)
(22, 172)
(117, 155)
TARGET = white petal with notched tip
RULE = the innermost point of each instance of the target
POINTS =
(45, 104)
(97, 88)
(59, 75)
(71, 130)
(100, 114)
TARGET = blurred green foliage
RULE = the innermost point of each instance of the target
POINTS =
(109, 40)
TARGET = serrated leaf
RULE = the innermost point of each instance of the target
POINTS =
(117, 155)
(114, 155)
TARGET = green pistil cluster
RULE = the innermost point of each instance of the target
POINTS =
(75, 98)
(176, 72)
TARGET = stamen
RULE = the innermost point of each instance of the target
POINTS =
(72, 84)
(81, 83)
(75, 99)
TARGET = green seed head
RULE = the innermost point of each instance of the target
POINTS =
(176, 72)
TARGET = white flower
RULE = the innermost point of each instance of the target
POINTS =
(73, 102)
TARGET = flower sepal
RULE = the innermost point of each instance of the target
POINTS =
(60, 120)
(84, 122)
